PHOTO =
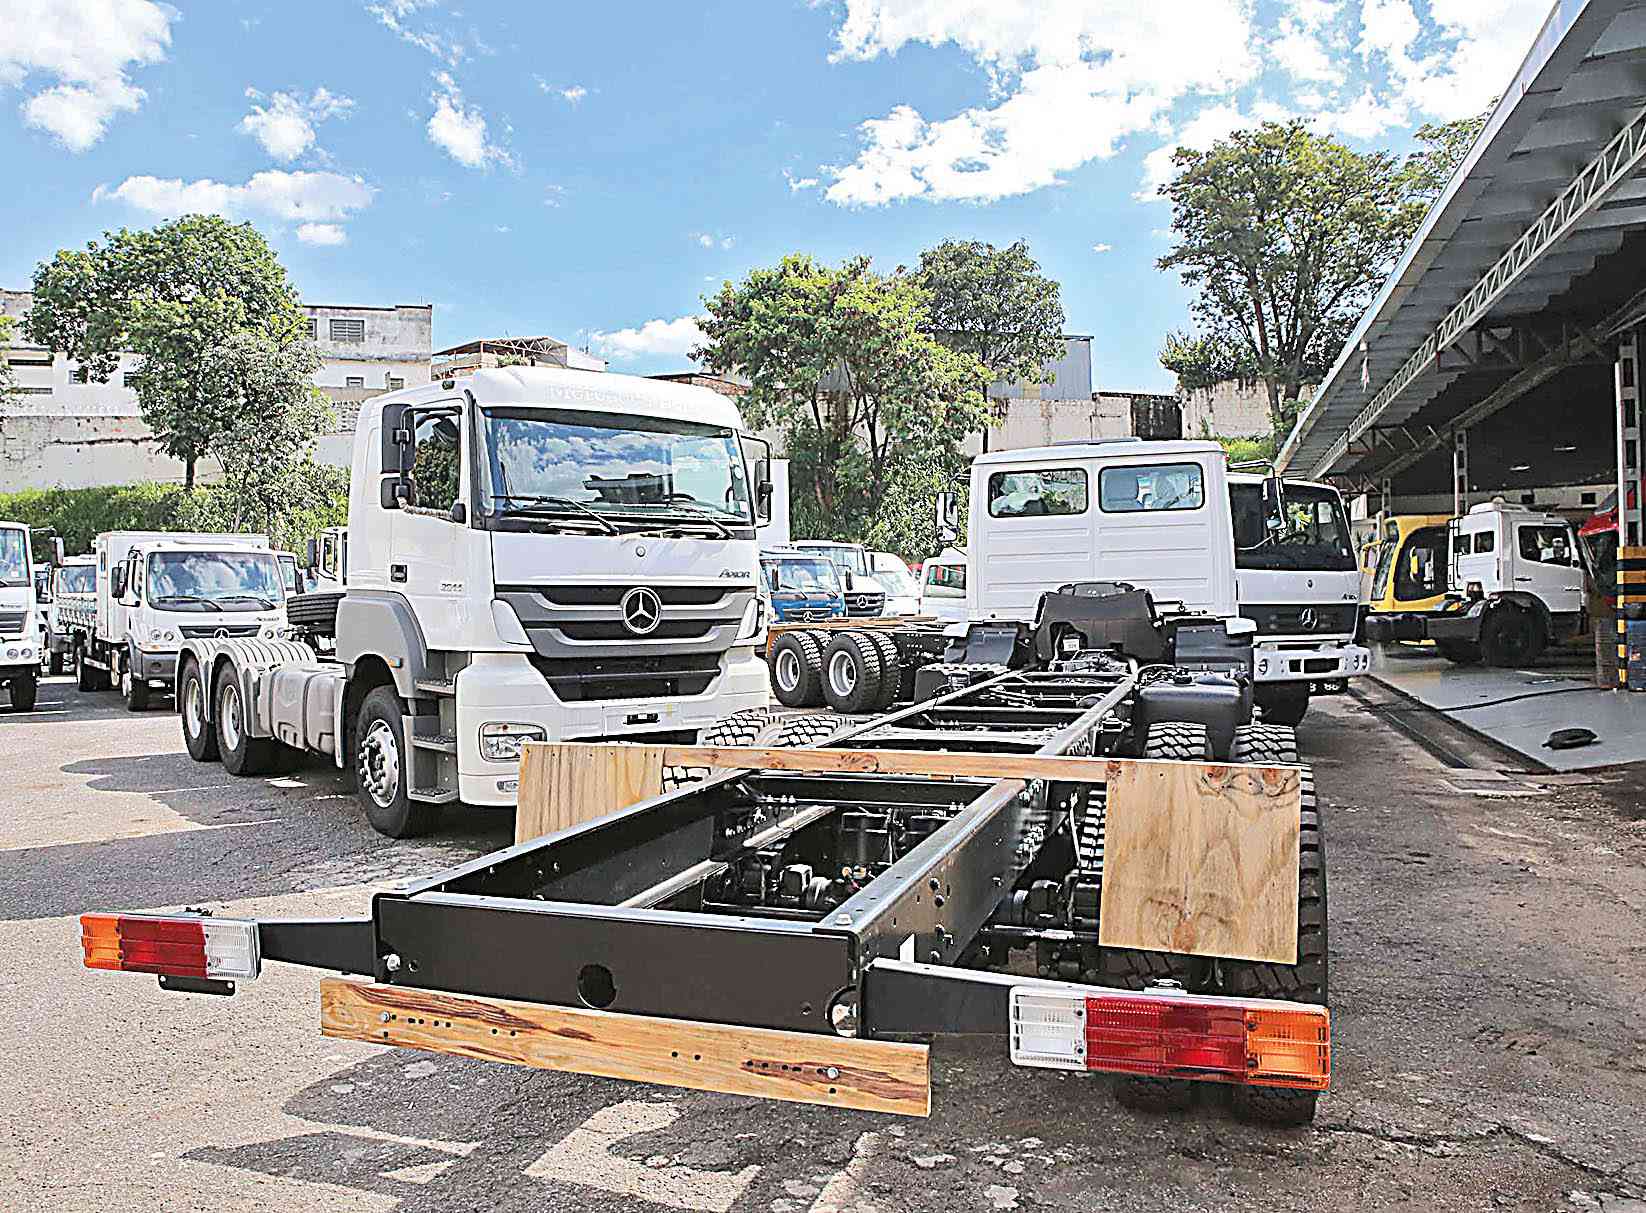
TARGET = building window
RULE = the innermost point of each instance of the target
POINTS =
(354, 381)
(78, 375)
(347, 330)
(396, 382)
(314, 328)
(128, 379)
(32, 391)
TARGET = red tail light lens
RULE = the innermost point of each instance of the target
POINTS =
(173, 945)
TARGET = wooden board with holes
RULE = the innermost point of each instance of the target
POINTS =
(567, 783)
(1202, 858)
(799, 1067)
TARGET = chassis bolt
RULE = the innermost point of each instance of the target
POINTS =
(391, 962)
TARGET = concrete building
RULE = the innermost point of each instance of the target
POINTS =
(1235, 408)
(511, 351)
(61, 431)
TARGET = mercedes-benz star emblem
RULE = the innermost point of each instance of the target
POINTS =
(1306, 617)
(221, 634)
(642, 610)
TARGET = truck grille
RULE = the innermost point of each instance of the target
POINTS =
(575, 680)
(587, 623)
(611, 595)
(1303, 619)
(12, 621)
(808, 614)
(197, 631)
(862, 603)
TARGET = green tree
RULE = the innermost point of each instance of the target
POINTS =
(173, 295)
(843, 365)
(8, 381)
(272, 416)
(994, 304)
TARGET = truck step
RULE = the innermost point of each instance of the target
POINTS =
(443, 743)
(434, 795)
(437, 686)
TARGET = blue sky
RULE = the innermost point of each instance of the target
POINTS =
(590, 170)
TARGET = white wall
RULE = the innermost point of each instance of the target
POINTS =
(1235, 408)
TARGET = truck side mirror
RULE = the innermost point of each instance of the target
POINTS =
(762, 471)
(57, 550)
(459, 512)
(948, 515)
(117, 582)
(312, 554)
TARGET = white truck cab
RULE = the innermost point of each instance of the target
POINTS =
(1300, 583)
(19, 617)
(157, 590)
(73, 591)
(943, 586)
(1515, 583)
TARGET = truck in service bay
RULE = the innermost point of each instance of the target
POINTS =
(533, 554)
(19, 617)
(1297, 578)
(1515, 583)
(158, 591)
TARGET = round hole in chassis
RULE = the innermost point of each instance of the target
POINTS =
(596, 987)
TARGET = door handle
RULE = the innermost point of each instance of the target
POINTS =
(1522, 578)
(397, 572)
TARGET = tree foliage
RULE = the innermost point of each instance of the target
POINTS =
(994, 304)
(8, 383)
(172, 295)
(78, 516)
(1285, 235)
(290, 509)
(843, 366)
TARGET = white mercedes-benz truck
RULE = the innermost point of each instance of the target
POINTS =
(19, 617)
(158, 590)
(1296, 577)
(534, 554)
(73, 589)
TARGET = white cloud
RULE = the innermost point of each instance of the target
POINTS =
(710, 240)
(321, 233)
(285, 126)
(1102, 248)
(460, 131)
(1302, 53)
(318, 202)
(796, 184)
(704, 239)
(574, 93)
(554, 195)
(655, 337)
(392, 14)
(1076, 77)
(1204, 129)
(84, 48)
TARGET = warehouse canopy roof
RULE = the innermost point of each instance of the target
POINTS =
(1519, 269)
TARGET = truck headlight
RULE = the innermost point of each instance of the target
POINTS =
(271, 631)
(1263, 665)
(501, 742)
(754, 615)
(161, 636)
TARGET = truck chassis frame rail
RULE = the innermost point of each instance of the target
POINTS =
(792, 918)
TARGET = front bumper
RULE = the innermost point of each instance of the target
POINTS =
(504, 688)
(19, 655)
(156, 667)
(1303, 661)
(1388, 627)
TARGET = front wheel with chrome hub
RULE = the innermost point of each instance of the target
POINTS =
(133, 689)
(382, 768)
(199, 734)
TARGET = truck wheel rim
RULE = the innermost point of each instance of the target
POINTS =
(842, 674)
(788, 670)
(380, 764)
(230, 709)
(194, 708)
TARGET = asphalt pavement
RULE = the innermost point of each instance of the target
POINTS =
(1488, 996)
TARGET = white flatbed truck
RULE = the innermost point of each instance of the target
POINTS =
(19, 617)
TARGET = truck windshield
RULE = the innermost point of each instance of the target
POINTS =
(618, 467)
(76, 579)
(214, 581)
(802, 576)
(14, 557)
(852, 559)
(1317, 537)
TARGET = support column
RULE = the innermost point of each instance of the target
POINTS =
(1460, 472)
(1630, 596)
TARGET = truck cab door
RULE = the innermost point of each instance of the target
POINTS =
(426, 556)
(1546, 563)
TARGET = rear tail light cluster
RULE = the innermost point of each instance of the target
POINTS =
(1173, 1035)
(178, 945)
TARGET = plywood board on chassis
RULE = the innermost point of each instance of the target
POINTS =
(568, 783)
(1202, 858)
(799, 1067)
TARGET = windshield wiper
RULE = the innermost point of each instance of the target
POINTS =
(703, 515)
(268, 603)
(564, 503)
(159, 598)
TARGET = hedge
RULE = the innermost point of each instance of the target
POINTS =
(79, 515)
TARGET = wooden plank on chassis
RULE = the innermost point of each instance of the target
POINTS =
(799, 1067)
(567, 783)
(1202, 858)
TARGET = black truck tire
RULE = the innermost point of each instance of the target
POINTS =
(803, 732)
(133, 688)
(55, 664)
(891, 669)
(797, 670)
(1264, 744)
(1136, 969)
(382, 768)
(1283, 702)
(1511, 636)
(851, 673)
(199, 734)
(87, 677)
(1305, 981)
(23, 692)
(756, 726)
(242, 753)
(1459, 652)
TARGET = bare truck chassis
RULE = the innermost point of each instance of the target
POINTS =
(773, 931)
